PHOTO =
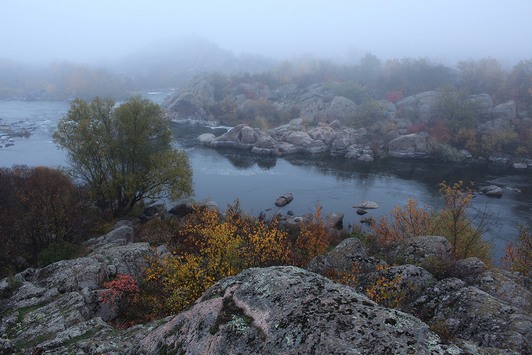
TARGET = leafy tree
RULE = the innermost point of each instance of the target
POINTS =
(123, 154)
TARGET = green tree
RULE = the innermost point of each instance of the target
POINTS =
(123, 154)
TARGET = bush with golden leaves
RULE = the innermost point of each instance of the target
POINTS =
(208, 247)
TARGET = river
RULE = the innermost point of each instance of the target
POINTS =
(337, 184)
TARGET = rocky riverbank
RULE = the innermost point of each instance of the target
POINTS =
(470, 308)
(320, 122)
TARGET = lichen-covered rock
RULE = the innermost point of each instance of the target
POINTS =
(418, 249)
(341, 109)
(347, 257)
(52, 308)
(418, 107)
(121, 234)
(287, 310)
(506, 111)
(471, 314)
(241, 137)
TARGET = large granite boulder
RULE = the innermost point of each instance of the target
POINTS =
(241, 137)
(326, 134)
(341, 109)
(419, 249)
(313, 103)
(304, 142)
(408, 146)
(419, 107)
(287, 310)
(507, 111)
(187, 108)
(471, 314)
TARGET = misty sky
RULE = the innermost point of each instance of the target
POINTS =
(93, 31)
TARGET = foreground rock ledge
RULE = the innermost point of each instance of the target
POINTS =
(287, 310)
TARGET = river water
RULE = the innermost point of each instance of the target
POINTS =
(337, 184)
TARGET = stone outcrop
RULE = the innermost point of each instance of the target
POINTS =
(294, 138)
(418, 107)
(53, 307)
(484, 310)
(285, 310)
(59, 309)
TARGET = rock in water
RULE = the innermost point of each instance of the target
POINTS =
(491, 190)
(284, 199)
(367, 205)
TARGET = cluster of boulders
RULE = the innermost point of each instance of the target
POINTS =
(470, 308)
(323, 122)
(482, 309)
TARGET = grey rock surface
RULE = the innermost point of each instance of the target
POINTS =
(288, 310)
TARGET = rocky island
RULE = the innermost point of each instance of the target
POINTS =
(322, 122)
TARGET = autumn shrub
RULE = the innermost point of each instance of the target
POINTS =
(387, 289)
(208, 246)
(407, 222)
(464, 232)
(499, 141)
(348, 278)
(122, 294)
(312, 240)
(445, 152)
(454, 222)
(518, 255)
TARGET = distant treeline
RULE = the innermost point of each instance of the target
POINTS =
(370, 77)
(397, 78)
(60, 81)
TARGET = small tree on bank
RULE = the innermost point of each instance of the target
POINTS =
(123, 154)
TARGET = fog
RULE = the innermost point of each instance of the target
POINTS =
(102, 31)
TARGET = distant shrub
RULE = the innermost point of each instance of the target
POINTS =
(445, 152)
(518, 255)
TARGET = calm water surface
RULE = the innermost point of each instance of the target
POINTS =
(337, 184)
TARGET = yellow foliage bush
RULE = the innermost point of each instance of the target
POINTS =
(387, 289)
(208, 248)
